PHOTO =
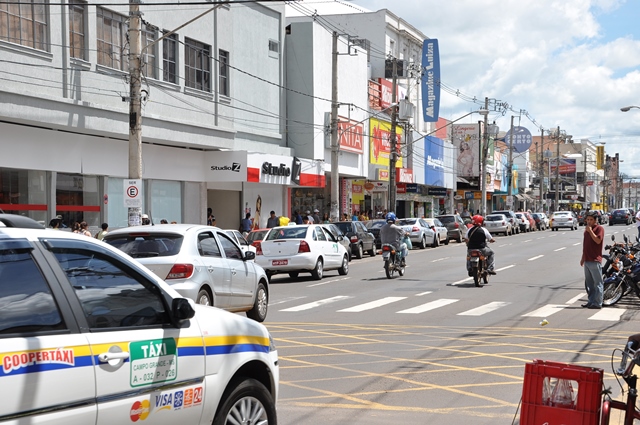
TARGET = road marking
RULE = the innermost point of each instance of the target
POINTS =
(564, 233)
(285, 300)
(440, 259)
(615, 233)
(327, 281)
(560, 249)
(576, 298)
(536, 257)
(576, 244)
(423, 293)
(609, 314)
(483, 309)
(505, 268)
(429, 306)
(542, 237)
(462, 281)
(546, 311)
(551, 236)
(500, 246)
(371, 305)
(528, 240)
(317, 303)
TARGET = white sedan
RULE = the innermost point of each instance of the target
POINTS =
(302, 248)
(242, 242)
(440, 229)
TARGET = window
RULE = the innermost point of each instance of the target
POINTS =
(170, 59)
(274, 46)
(26, 301)
(223, 62)
(149, 57)
(77, 30)
(24, 23)
(24, 192)
(111, 34)
(197, 65)
(231, 250)
(207, 245)
(78, 198)
(111, 294)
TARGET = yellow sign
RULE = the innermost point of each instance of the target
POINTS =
(380, 142)
(599, 157)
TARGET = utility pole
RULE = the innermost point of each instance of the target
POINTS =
(510, 169)
(584, 183)
(135, 105)
(485, 151)
(335, 143)
(541, 166)
(557, 205)
(394, 143)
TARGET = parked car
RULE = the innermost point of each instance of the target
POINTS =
(512, 219)
(373, 226)
(420, 232)
(340, 237)
(621, 215)
(200, 262)
(361, 240)
(498, 223)
(127, 347)
(541, 221)
(455, 226)
(523, 222)
(302, 249)
(257, 235)
(581, 217)
(242, 242)
(439, 228)
(561, 219)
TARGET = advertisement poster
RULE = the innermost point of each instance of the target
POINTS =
(380, 143)
(434, 161)
(430, 80)
(567, 166)
(466, 140)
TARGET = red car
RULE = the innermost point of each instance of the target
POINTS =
(256, 236)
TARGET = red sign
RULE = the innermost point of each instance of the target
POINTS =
(590, 183)
(356, 188)
(405, 175)
(401, 188)
(350, 134)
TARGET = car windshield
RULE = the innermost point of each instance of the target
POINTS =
(621, 212)
(407, 221)
(287, 233)
(344, 226)
(495, 218)
(375, 224)
(519, 215)
(256, 235)
(147, 245)
(446, 219)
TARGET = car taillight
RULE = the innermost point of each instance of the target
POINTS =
(180, 271)
(304, 247)
(570, 219)
(504, 224)
(415, 229)
(457, 225)
(353, 239)
(258, 246)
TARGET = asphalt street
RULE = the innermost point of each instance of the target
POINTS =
(430, 347)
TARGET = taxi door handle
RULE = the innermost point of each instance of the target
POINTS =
(113, 357)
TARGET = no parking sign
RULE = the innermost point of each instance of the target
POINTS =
(133, 193)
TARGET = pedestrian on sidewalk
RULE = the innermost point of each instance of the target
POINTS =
(592, 260)
(638, 221)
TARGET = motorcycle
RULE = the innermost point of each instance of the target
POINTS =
(392, 261)
(624, 276)
(478, 263)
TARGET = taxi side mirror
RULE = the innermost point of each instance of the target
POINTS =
(181, 309)
(249, 255)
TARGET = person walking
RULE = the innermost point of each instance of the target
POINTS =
(103, 231)
(591, 260)
(84, 229)
(638, 221)
(273, 220)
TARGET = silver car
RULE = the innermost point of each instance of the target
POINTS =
(564, 219)
(440, 229)
(200, 262)
(498, 223)
(420, 232)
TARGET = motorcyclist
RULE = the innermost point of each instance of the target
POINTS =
(393, 235)
(477, 238)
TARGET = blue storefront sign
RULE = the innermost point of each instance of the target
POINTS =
(434, 161)
(430, 80)
(440, 192)
(521, 139)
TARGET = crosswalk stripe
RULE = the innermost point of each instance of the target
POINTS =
(483, 309)
(371, 305)
(576, 298)
(609, 314)
(314, 304)
(429, 306)
(546, 311)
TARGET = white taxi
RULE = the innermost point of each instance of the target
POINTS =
(89, 336)
(302, 248)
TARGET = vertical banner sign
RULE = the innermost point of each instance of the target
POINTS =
(430, 80)
(599, 157)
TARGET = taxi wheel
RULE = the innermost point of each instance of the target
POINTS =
(318, 271)
(246, 401)
(259, 310)
(345, 266)
(204, 298)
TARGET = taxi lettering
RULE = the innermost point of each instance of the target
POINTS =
(154, 350)
(58, 356)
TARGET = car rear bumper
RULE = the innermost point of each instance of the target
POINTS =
(298, 262)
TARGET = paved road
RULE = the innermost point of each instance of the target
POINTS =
(430, 347)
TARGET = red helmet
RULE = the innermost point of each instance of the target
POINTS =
(477, 220)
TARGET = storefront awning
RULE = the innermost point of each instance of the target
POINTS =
(461, 180)
(519, 197)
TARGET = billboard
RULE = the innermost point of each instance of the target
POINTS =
(430, 80)
(466, 140)
(380, 143)
(434, 161)
(521, 139)
(567, 166)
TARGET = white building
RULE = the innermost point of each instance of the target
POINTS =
(213, 97)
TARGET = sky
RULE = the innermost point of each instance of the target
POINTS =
(567, 63)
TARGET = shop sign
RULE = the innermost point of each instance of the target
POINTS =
(437, 191)
(356, 188)
(368, 186)
(458, 197)
(383, 175)
(380, 142)
(386, 93)
(275, 170)
(344, 198)
(380, 187)
(412, 187)
(520, 138)
(468, 195)
(405, 175)
(401, 188)
(430, 81)
(350, 135)
(477, 195)
(226, 166)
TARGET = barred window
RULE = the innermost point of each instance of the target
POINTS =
(77, 30)
(111, 34)
(223, 62)
(170, 59)
(197, 65)
(24, 23)
(149, 57)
